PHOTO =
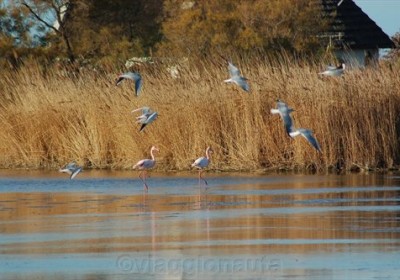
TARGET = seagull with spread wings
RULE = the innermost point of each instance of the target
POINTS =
(237, 78)
(284, 111)
(146, 118)
(72, 169)
(135, 77)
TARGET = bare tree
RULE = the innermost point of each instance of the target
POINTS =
(42, 10)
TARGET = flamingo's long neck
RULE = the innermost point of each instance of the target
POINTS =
(208, 153)
(152, 155)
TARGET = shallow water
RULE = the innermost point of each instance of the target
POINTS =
(102, 225)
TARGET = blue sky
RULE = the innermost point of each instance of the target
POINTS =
(386, 13)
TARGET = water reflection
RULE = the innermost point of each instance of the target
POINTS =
(296, 226)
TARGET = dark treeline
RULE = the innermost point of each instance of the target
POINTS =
(108, 32)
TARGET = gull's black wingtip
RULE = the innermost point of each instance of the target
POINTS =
(142, 127)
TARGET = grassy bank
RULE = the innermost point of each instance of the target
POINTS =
(50, 118)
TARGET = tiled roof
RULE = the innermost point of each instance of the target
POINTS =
(352, 28)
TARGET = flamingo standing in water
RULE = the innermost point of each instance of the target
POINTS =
(145, 164)
(203, 162)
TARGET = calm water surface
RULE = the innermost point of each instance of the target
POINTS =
(103, 226)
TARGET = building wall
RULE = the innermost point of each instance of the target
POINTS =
(358, 58)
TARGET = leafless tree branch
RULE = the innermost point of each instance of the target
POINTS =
(40, 19)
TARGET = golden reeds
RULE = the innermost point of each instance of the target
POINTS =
(49, 118)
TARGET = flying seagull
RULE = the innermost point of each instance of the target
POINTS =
(334, 70)
(147, 116)
(134, 77)
(203, 162)
(284, 111)
(145, 164)
(72, 169)
(236, 78)
(306, 133)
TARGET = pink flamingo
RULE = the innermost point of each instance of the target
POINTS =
(145, 164)
(201, 163)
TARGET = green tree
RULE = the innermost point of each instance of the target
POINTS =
(203, 27)
(96, 36)
(108, 31)
(135, 20)
(102, 30)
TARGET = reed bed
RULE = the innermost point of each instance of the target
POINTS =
(50, 117)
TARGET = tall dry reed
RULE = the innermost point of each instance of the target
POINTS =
(48, 118)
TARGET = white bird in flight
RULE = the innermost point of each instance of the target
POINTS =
(334, 70)
(284, 111)
(306, 133)
(145, 164)
(236, 78)
(203, 162)
(72, 169)
(147, 116)
(134, 77)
